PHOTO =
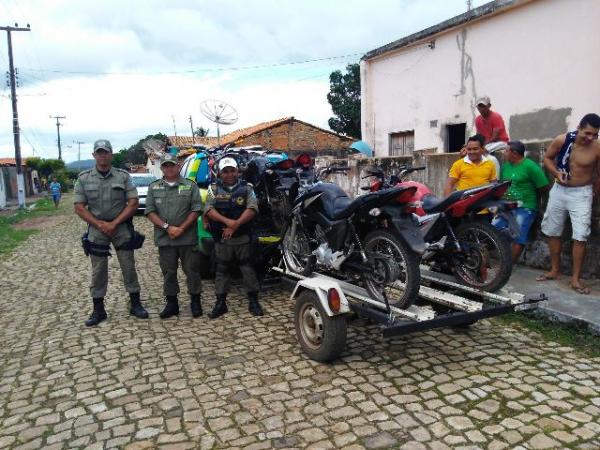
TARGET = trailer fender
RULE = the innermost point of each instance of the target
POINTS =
(321, 287)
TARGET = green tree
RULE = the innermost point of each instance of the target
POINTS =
(118, 159)
(344, 98)
(201, 132)
(136, 154)
(33, 162)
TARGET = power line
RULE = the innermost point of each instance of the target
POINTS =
(214, 69)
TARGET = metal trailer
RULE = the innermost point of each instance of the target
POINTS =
(324, 304)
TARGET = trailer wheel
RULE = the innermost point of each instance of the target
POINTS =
(321, 337)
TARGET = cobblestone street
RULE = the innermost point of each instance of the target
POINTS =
(243, 382)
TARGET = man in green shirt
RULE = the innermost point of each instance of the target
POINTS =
(173, 205)
(528, 180)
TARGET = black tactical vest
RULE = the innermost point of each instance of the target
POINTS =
(231, 205)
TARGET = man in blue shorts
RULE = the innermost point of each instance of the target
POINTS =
(55, 191)
(528, 180)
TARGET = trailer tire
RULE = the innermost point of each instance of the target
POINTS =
(321, 337)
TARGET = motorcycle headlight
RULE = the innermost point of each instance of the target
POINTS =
(375, 212)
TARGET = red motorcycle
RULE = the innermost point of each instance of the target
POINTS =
(459, 236)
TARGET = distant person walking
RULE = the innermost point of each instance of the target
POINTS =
(55, 189)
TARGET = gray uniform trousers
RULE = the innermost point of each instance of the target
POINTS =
(100, 263)
(168, 259)
(236, 249)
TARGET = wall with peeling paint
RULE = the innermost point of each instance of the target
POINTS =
(538, 61)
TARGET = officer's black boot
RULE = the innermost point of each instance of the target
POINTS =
(136, 309)
(98, 314)
(171, 308)
(253, 305)
(220, 307)
(195, 305)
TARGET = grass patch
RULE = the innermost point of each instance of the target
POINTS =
(10, 237)
(569, 335)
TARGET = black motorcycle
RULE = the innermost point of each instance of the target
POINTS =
(324, 230)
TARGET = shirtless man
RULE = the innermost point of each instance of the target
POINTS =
(573, 159)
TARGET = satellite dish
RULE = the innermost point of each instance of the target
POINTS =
(220, 113)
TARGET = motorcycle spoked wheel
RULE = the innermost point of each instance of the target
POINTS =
(403, 290)
(296, 251)
(384, 271)
(486, 262)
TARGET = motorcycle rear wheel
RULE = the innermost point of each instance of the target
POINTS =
(402, 292)
(296, 251)
(487, 261)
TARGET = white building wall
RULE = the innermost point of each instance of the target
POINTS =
(2, 191)
(540, 54)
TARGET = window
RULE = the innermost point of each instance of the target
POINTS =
(455, 136)
(402, 144)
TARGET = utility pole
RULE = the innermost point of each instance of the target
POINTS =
(13, 96)
(192, 127)
(174, 127)
(78, 154)
(58, 124)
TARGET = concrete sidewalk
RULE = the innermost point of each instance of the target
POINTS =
(564, 304)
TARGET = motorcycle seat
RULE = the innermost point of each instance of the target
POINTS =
(433, 204)
(337, 205)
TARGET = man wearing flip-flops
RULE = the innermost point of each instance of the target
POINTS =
(572, 159)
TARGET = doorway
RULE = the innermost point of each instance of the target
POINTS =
(455, 136)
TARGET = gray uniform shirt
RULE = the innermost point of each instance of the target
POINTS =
(173, 204)
(106, 196)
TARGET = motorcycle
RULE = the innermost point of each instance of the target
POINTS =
(460, 240)
(272, 181)
(330, 231)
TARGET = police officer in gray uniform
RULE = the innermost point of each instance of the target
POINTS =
(230, 206)
(173, 205)
(106, 199)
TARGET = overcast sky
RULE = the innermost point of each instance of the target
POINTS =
(124, 69)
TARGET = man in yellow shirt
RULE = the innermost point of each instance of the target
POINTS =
(473, 170)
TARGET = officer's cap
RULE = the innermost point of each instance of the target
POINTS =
(167, 158)
(102, 144)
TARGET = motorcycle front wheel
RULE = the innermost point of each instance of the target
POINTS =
(295, 249)
(402, 291)
(486, 261)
